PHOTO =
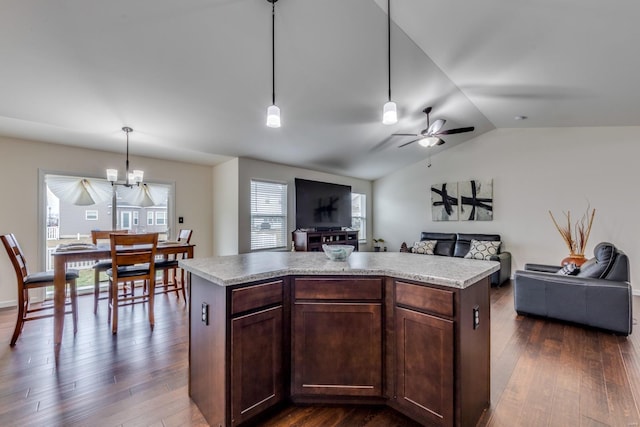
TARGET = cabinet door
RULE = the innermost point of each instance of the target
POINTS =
(425, 353)
(337, 349)
(256, 361)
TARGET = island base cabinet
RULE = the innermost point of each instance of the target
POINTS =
(425, 367)
(337, 349)
(256, 363)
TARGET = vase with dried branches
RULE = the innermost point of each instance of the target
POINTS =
(576, 235)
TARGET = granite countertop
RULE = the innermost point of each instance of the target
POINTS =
(238, 269)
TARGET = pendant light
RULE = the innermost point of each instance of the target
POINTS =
(389, 111)
(273, 112)
(132, 178)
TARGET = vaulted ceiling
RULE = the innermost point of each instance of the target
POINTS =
(193, 77)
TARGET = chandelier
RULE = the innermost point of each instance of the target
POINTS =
(132, 178)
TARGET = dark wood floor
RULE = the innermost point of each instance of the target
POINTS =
(544, 373)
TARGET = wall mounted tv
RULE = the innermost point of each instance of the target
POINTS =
(322, 205)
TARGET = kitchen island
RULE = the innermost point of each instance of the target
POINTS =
(409, 331)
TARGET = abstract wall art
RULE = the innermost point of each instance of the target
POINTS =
(476, 200)
(444, 202)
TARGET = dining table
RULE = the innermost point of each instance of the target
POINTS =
(65, 254)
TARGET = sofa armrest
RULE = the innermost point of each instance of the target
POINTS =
(542, 267)
(504, 274)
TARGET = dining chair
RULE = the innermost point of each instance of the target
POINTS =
(169, 266)
(27, 281)
(101, 265)
(132, 259)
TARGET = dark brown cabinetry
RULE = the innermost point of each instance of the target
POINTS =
(415, 346)
(425, 366)
(312, 241)
(337, 337)
(256, 350)
(237, 349)
(441, 354)
(256, 363)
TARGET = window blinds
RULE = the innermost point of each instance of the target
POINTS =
(268, 215)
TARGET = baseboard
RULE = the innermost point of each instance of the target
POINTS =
(7, 304)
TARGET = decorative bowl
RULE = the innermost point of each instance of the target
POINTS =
(337, 252)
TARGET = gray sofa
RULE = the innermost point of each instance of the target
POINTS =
(600, 295)
(458, 244)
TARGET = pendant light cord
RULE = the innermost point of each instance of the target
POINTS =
(127, 165)
(273, 53)
(389, 44)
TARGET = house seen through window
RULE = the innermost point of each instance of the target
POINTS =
(76, 205)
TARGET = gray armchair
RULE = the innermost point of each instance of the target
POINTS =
(599, 295)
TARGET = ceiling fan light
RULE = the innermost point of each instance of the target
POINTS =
(389, 113)
(429, 141)
(273, 116)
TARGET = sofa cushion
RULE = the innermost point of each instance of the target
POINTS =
(446, 242)
(570, 269)
(425, 247)
(463, 242)
(483, 249)
(600, 265)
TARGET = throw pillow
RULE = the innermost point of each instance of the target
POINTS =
(424, 247)
(483, 249)
(569, 270)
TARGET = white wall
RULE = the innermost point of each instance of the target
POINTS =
(533, 171)
(21, 161)
(256, 169)
(225, 208)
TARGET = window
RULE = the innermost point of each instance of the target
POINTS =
(67, 199)
(125, 220)
(149, 218)
(161, 218)
(359, 214)
(268, 215)
(91, 215)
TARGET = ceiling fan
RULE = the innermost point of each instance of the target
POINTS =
(430, 136)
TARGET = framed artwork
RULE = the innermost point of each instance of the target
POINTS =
(476, 200)
(444, 202)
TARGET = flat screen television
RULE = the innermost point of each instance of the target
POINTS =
(322, 205)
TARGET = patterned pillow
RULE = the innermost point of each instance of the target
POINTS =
(569, 270)
(424, 247)
(483, 249)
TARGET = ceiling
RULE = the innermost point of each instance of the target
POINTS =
(193, 77)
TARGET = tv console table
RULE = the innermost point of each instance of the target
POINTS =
(405, 330)
(312, 241)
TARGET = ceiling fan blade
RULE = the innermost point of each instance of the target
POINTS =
(458, 130)
(435, 126)
(404, 134)
(410, 142)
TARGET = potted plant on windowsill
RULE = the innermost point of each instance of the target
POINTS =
(377, 244)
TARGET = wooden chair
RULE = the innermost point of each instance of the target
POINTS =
(169, 266)
(132, 258)
(27, 281)
(101, 265)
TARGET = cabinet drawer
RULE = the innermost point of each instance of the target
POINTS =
(436, 301)
(249, 298)
(339, 288)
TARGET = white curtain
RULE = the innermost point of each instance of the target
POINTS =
(79, 191)
(145, 195)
